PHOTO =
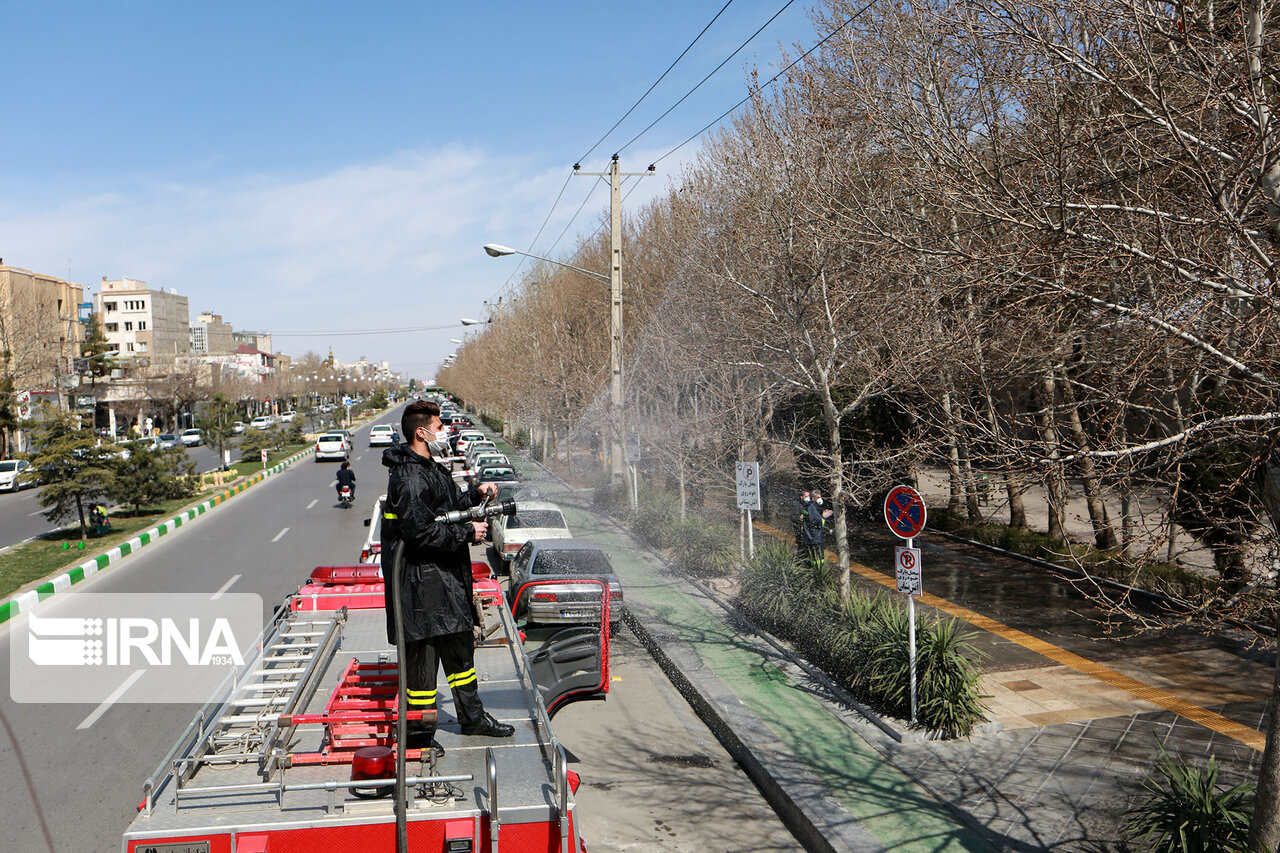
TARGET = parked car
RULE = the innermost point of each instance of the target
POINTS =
(465, 437)
(168, 439)
(533, 520)
(383, 434)
(287, 417)
(558, 560)
(191, 437)
(475, 447)
(11, 473)
(262, 422)
(488, 458)
(333, 445)
(237, 428)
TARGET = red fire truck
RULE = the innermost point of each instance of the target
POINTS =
(296, 752)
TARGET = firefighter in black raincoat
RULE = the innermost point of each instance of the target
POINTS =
(435, 576)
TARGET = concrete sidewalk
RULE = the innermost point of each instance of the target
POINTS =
(1075, 753)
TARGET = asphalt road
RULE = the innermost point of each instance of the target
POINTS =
(74, 771)
(75, 789)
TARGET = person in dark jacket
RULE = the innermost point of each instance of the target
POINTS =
(813, 523)
(435, 575)
(346, 477)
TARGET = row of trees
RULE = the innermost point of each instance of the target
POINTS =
(1032, 240)
(75, 471)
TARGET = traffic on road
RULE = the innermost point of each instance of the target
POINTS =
(268, 541)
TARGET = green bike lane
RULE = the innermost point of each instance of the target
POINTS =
(895, 812)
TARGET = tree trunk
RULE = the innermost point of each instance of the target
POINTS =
(1103, 534)
(1264, 831)
(1017, 509)
(953, 458)
(1056, 497)
(80, 512)
(832, 418)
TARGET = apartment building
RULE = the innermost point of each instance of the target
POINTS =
(40, 329)
(143, 324)
(211, 336)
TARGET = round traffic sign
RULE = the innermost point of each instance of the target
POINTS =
(904, 512)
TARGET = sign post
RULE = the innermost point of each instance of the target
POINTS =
(264, 457)
(749, 498)
(905, 513)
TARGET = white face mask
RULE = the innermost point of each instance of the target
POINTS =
(819, 501)
(439, 446)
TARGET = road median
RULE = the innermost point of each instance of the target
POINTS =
(24, 600)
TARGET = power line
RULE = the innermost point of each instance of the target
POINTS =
(534, 241)
(655, 82)
(768, 83)
(708, 77)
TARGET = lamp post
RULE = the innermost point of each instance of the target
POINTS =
(614, 279)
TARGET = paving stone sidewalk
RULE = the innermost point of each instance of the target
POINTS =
(1061, 786)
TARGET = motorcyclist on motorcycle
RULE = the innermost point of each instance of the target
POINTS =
(346, 477)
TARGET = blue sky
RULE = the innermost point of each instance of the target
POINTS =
(316, 166)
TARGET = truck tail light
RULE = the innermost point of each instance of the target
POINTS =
(544, 596)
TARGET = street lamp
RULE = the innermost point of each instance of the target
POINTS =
(496, 250)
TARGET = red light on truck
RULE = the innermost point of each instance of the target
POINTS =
(373, 762)
(544, 596)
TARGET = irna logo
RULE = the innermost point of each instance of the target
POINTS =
(131, 641)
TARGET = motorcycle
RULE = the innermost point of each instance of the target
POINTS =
(346, 496)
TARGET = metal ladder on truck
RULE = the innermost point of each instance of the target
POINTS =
(250, 720)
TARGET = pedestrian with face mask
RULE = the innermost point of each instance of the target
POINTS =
(813, 526)
(434, 575)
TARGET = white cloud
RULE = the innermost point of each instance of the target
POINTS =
(386, 244)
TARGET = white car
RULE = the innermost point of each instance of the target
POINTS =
(475, 448)
(487, 457)
(167, 440)
(191, 437)
(332, 445)
(287, 417)
(384, 434)
(533, 520)
(237, 427)
(262, 422)
(466, 437)
(10, 472)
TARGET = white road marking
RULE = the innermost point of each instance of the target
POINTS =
(313, 503)
(358, 458)
(331, 485)
(110, 700)
(226, 586)
(34, 514)
(280, 534)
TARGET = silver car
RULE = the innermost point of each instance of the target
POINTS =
(541, 603)
(533, 520)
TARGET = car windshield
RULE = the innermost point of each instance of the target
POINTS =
(498, 475)
(168, 436)
(536, 518)
(333, 437)
(571, 563)
(382, 428)
(6, 467)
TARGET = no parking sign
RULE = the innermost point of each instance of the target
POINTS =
(904, 512)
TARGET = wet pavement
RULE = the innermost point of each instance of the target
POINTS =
(1085, 704)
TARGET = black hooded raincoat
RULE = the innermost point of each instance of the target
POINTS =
(435, 583)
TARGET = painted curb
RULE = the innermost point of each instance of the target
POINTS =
(24, 601)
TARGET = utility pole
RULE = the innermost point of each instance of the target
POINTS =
(617, 452)
(615, 321)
